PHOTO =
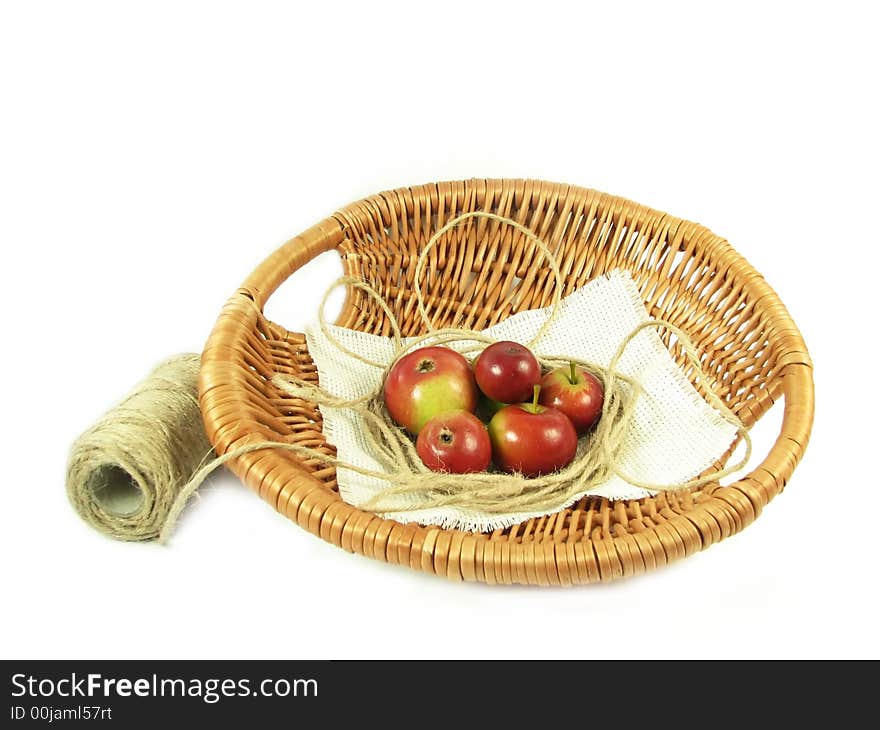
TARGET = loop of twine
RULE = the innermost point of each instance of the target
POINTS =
(153, 444)
(528, 233)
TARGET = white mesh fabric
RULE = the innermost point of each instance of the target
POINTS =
(675, 434)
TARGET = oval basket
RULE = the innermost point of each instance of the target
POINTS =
(477, 275)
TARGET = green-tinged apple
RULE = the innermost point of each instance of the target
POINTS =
(486, 407)
(427, 382)
(532, 439)
(507, 371)
(456, 442)
(576, 392)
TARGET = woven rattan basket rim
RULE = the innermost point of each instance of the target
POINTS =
(593, 541)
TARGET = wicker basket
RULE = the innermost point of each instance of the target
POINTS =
(479, 274)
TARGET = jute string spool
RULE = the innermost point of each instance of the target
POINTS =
(152, 443)
(126, 471)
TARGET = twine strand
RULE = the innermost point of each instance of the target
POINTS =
(527, 232)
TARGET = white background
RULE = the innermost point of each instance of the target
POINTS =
(151, 154)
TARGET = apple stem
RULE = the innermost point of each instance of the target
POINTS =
(535, 393)
(572, 377)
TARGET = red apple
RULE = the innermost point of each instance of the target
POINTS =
(507, 372)
(576, 392)
(427, 382)
(532, 439)
(455, 442)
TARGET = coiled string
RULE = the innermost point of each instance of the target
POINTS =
(126, 472)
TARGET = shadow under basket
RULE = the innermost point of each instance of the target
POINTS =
(478, 274)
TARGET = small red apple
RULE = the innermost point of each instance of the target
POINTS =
(532, 439)
(576, 392)
(455, 442)
(507, 371)
(427, 382)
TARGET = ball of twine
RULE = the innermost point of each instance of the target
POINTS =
(126, 472)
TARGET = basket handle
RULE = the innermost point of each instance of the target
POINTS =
(289, 257)
(795, 367)
(220, 374)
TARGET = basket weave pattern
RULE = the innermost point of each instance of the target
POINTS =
(477, 275)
